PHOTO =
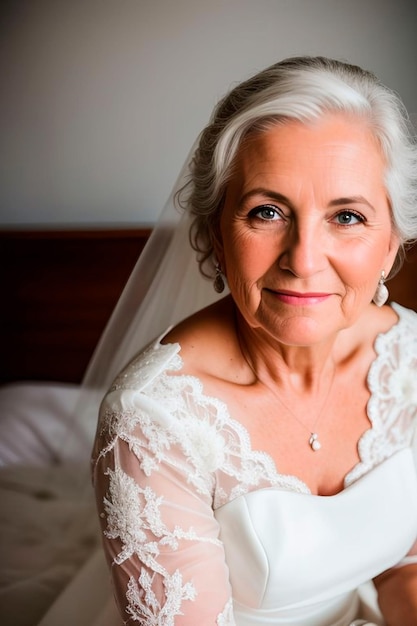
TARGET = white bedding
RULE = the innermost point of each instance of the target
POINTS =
(47, 525)
(34, 421)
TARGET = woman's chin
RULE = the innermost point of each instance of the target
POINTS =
(300, 328)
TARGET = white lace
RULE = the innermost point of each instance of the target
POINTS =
(392, 382)
(167, 452)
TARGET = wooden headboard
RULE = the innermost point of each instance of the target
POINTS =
(60, 287)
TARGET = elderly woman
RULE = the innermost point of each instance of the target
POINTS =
(254, 465)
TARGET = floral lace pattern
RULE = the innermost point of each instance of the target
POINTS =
(166, 452)
(393, 402)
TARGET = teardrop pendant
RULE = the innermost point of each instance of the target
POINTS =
(314, 442)
(381, 293)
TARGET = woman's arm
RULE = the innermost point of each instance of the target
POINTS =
(397, 595)
(159, 533)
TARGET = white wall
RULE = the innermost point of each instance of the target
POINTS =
(101, 99)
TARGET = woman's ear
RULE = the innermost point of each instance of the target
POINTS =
(393, 249)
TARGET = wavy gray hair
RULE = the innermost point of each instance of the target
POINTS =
(301, 88)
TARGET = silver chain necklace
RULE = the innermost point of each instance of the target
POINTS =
(313, 441)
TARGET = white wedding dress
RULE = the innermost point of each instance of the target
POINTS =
(199, 528)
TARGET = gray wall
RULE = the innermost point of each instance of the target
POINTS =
(102, 99)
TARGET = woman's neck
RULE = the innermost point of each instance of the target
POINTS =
(300, 369)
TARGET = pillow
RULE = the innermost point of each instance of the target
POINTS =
(35, 423)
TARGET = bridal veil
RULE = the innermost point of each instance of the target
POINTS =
(164, 287)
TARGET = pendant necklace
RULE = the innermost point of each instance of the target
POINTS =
(313, 441)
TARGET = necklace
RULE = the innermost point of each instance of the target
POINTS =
(313, 441)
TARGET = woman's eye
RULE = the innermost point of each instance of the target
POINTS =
(348, 218)
(266, 212)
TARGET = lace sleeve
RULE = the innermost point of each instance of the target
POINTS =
(159, 532)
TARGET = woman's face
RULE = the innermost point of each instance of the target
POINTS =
(306, 228)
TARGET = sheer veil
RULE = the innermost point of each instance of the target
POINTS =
(165, 286)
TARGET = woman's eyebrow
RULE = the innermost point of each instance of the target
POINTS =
(267, 193)
(351, 200)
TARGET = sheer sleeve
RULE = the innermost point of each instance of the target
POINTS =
(159, 532)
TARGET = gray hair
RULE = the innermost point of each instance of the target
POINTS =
(300, 88)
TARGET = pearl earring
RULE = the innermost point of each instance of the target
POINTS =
(218, 280)
(381, 293)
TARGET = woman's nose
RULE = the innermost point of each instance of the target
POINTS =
(304, 251)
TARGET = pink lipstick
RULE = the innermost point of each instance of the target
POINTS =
(296, 298)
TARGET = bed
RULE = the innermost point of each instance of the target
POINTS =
(59, 288)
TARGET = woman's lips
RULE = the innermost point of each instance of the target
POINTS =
(296, 298)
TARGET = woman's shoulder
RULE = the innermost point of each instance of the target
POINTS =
(147, 366)
(395, 353)
(392, 376)
(406, 317)
(376, 331)
(208, 340)
(401, 332)
(192, 347)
